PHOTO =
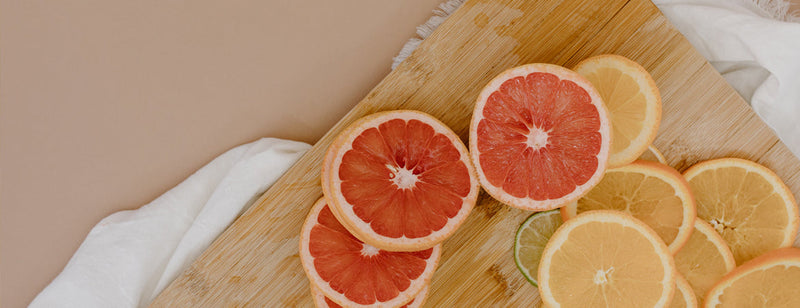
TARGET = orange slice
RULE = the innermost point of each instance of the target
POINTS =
(770, 280)
(704, 259)
(539, 137)
(653, 154)
(354, 274)
(606, 259)
(654, 193)
(633, 102)
(746, 203)
(684, 296)
(399, 180)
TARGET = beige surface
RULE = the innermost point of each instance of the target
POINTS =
(255, 262)
(107, 104)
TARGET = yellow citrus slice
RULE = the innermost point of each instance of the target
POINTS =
(704, 259)
(746, 203)
(633, 102)
(684, 296)
(606, 259)
(531, 238)
(653, 154)
(654, 193)
(770, 280)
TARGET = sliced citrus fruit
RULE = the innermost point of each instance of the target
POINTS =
(539, 137)
(606, 258)
(530, 240)
(651, 192)
(323, 302)
(354, 274)
(704, 259)
(633, 102)
(653, 154)
(769, 280)
(746, 203)
(684, 296)
(399, 180)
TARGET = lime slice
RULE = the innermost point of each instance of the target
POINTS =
(530, 240)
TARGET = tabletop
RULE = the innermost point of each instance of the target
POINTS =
(106, 105)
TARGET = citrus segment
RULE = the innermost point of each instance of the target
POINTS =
(769, 280)
(320, 301)
(633, 102)
(530, 240)
(684, 296)
(654, 193)
(746, 203)
(399, 180)
(352, 273)
(539, 136)
(653, 154)
(606, 259)
(704, 259)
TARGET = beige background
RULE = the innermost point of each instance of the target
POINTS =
(107, 104)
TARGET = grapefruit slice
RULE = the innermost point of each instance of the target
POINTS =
(746, 203)
(539, 137)
(684, 296)
(354, 274)
(770, 280)
(704, 259)
(606, 258)
(399, 180)
(652, 192)
(323, 302)
(633, 102)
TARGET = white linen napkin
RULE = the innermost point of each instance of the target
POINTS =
(130, 256)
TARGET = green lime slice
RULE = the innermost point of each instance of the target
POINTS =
(530, 240)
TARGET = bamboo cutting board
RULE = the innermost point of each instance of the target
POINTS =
(255, 262)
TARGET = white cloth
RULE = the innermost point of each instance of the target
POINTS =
(130, 256)
(755, 48)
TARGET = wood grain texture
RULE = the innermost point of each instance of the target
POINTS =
(255, 262)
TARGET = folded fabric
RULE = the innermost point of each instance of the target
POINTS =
(755, 47)
(130, 256)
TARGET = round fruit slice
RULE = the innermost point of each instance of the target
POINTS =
(530, 240)
(354, 274)
(746, 203)
(684, 296)
(770, 280)
(539, 137)
(399, 180)
(704, 259)
(606, 259)
(633, 102)
(654, 193)
(653, 154)
(323, 302)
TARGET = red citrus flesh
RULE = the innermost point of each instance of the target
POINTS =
(399, 180)
(539, 136)
(352, 273)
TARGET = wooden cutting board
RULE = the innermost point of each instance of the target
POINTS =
(255, 262)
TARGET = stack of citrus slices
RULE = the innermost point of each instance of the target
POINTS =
(629, 230)
(396, 184)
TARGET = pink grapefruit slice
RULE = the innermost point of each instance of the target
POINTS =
(354, 274)
(323, 302)
(399, 180)
(539, 137)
